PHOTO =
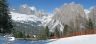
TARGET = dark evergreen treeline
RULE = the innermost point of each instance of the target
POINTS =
(5, 19)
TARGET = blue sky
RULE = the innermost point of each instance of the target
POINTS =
(50, 5)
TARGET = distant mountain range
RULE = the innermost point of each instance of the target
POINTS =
(30, 19)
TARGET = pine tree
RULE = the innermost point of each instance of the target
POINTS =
(44, 33)
(47, 31)
(65, 30)
(57, 33)
(89, 24)
(5, 19)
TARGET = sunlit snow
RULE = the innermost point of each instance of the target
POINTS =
(83, 39)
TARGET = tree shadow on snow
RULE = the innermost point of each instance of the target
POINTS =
(41, 41)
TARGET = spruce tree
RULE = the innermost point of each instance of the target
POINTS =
(47, 31)
(5, 19)
(65, 30)
(43, 34)
(89, 24)
(57, 32)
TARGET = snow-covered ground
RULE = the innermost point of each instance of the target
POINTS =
(84, 39)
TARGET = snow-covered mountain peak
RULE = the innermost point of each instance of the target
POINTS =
(18, 17)
(29, 23)
(22, 17)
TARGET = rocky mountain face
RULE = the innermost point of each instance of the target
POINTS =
(92, 14)
(68, 14)
(25, 9)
